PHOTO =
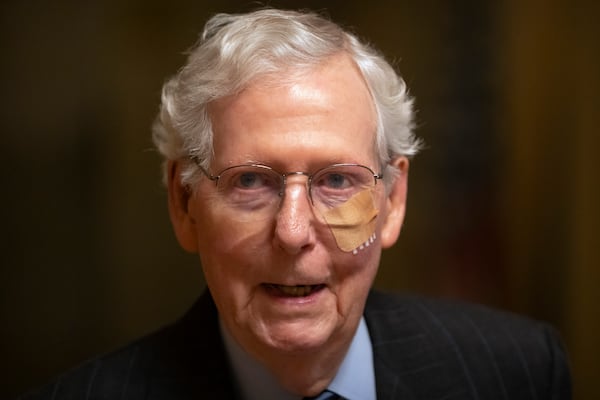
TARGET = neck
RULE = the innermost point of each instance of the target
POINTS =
(306, 374)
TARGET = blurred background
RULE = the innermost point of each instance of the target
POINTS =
(503, 203)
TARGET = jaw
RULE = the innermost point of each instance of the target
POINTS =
(302, 353)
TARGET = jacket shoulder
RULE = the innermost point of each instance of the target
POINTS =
(184, 360)
(474, 350)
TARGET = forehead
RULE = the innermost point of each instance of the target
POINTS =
(325, 111)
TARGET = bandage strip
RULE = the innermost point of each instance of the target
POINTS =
(353, 223)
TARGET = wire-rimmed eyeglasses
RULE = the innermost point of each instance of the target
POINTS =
(255, 187)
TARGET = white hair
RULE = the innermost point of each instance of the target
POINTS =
(236, 49)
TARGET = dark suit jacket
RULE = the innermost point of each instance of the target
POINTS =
(423, 349)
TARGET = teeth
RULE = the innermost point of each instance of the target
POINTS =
(295, 291)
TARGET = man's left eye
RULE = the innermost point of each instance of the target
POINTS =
(249, 180)
(336, 181)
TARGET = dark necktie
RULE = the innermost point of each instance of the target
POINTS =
(325, 395)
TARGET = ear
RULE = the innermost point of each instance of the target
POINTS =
(395, 204)
(183, 223)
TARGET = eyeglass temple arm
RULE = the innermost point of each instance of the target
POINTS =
(204, 171)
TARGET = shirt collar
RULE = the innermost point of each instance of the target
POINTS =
(355, 380)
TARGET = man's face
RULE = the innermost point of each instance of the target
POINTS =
(282, 283)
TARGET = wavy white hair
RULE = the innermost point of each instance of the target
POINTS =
(235, 50)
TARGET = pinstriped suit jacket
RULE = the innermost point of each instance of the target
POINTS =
(423, 349)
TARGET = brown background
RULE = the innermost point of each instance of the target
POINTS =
(504, 202)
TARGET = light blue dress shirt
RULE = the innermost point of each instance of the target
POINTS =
(355, 380)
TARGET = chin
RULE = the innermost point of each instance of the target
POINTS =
(296, 338)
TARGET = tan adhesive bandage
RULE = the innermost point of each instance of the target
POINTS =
(353, 222)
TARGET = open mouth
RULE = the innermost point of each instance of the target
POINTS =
(292, 291)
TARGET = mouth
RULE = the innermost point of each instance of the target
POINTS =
(292, 291)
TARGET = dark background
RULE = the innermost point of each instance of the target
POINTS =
(503, 203)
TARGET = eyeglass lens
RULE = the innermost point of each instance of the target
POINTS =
(255, 191)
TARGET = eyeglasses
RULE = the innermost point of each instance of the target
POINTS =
(257, 188)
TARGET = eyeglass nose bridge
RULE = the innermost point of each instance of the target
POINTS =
(307, 185)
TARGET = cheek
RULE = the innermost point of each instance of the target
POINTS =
(356, 275)
(232, 240)
(356, 270)
(353, 224)
(229, 249)
(230, 255)
(223, 236)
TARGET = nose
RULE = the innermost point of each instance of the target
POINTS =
(294, 230)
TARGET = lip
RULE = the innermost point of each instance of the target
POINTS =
(293, 292)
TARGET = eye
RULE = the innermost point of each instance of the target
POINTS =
(335, 180)
(248, 180)
(336, 184)
(252, 179)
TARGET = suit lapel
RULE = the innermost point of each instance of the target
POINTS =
(201, 350)
(407, 365)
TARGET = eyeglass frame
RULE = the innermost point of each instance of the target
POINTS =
(309, 176)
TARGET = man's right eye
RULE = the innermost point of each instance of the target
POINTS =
(248, 180)
(251, 180)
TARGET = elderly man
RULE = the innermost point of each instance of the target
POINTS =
(287, 144)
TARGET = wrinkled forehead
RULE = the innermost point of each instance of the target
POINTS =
(335, 86)
(335, 67)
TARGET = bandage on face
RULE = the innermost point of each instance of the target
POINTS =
(353, 222)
